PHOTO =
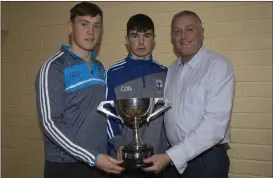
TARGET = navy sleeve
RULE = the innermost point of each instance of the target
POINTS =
(50, 93)
(113, 126)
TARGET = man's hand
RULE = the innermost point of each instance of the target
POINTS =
(160, 161)
(109, 164)
(119, 153)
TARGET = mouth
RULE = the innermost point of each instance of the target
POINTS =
(185, 43)
(141, 49)
(89, 39)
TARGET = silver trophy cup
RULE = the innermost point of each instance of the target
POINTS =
(132, 112)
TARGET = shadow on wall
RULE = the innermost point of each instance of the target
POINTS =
(40, 125)
(4, 35)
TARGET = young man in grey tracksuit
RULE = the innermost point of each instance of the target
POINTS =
(137, 76)
(69, 87)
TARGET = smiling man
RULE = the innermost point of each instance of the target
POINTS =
(137, 76)
(69, 87)
(200, 86)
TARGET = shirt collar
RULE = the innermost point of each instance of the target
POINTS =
(194, 61)
(66, 48)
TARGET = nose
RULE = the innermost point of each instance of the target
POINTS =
(183, 35)
(141, 40)
(90, 30)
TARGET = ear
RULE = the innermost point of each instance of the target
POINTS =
(154, 37)
(172, 39)
(154, 42)
(127, 40)
(202, 33)
(70, 27)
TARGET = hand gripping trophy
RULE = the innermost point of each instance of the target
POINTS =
(132, 112)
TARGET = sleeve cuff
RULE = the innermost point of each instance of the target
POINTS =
(178, 159)
(96, 159)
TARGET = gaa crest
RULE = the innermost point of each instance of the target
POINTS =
(159, 84)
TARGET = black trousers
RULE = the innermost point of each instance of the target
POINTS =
(71, 170)
(213, 163)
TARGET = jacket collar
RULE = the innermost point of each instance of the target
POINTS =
(138, 61)
(66, 49)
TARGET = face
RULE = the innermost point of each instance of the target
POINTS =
(86, 31)
(141, 44)
(187, 36)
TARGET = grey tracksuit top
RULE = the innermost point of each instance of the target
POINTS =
(67, 95)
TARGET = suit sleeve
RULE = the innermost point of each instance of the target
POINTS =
(50, 93)
(113, 127)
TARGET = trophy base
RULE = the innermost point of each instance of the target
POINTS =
(133, 156)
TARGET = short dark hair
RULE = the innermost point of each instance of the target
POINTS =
(85, 9)
(186, 13)
(140, 23)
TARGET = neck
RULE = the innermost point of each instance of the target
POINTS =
(135, 57)
(185, 59)
(85, 55)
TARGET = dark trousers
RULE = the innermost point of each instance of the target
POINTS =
(213, 163)
(71, 170)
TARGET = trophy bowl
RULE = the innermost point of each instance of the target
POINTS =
(134, 108)
(132, 112)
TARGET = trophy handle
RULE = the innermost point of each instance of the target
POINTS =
(159, 100)
(102, 109)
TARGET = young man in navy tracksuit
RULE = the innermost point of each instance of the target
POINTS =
(137, 76)
(69, 87)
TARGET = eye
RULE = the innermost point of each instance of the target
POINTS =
(97, 26)
(134, 36)
(84, 24)
(176, 31)
(147, 36)
(190, 29)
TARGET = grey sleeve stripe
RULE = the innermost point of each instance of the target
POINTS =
(48, 123)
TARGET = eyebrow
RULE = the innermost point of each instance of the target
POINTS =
(133, 33)
(148, 33)
(82, 20)
(187, 26)
(194, 26)
(136, 33)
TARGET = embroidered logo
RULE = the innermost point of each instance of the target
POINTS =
(75, 75)
(159, 84)
(125, 88)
